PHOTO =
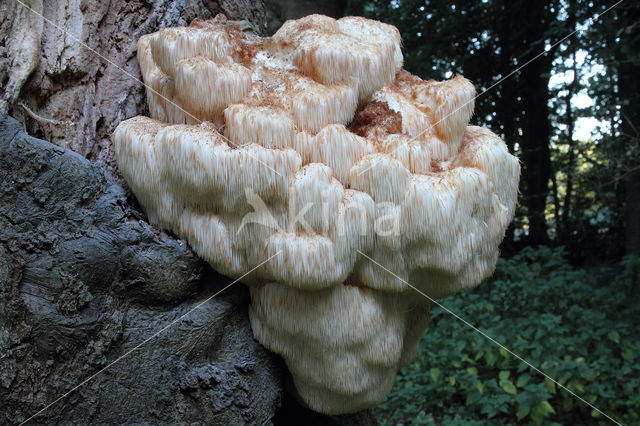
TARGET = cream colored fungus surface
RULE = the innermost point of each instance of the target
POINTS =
(314, 144)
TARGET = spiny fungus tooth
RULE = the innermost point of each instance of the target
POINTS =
(319, 150)
(485, 151)
(448, 104)
(222, 85)
(169, 46)
(163, 103)
(289, 32)
(413, 154)
(382, 176)
(137, 159)
(266, 126)
(454, 101)
(318, 106)
(386, 58)
(315, 185)
(338, 148)
(335, 51)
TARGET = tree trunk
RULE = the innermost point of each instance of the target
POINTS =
(85, 281)
(629, 92)
(570, 120)
(506, 114)
(556, 205)
(535, 138)
(74, 87)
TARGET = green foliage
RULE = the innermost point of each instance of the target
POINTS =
(578, 326)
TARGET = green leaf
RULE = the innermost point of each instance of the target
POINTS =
(508, 387)
(567, 404)
(575, 385)
(466, 358)
(504, 352)
(472, 398)
(550, 385)
(472, 370)
(614, 336)
(541, 411)
(537, 417)
(435, 374)
(523, 380)
(504, 375)
(546, 408)
(490, 357)
(522, 412)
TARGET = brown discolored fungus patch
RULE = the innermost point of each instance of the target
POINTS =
(374, 118)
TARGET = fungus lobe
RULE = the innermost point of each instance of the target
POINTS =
(313, 146)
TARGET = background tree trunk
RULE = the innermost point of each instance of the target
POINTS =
(629, 89)
(565, 225)
(535, 139)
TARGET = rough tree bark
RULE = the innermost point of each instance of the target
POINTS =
(81, 95)
(84, 279)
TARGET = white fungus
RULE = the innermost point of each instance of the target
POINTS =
(312, 146)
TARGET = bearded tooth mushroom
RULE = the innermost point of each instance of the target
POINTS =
(314, 147)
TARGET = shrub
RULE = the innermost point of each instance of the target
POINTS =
(578, 326)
